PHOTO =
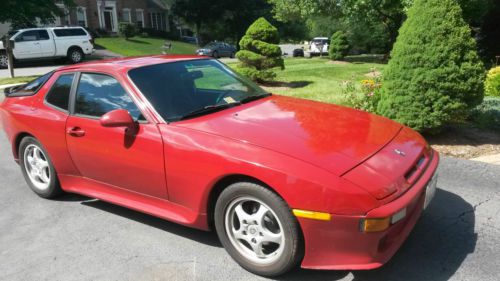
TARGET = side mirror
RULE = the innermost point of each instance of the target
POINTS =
(119, 118)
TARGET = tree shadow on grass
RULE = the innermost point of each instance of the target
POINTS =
(138, 41)
(291, 85)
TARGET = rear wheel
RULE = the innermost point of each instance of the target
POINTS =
(37, 168)
(258, 229)
(4, 60)
(75, 55)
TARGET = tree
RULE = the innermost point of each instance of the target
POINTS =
(435, 75)
(259, 51)
(127, 29)
(28, 13)
(338, 46)
(197, 12)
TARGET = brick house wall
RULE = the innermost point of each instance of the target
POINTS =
(155, 16)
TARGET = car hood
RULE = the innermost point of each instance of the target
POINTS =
(328, 136)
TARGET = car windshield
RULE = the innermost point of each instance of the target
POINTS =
(187, 89)
(210, 45)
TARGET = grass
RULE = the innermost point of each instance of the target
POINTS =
(317, 78)
(139, 46)
(16, 80)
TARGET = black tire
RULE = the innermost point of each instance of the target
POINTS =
(215, 54)
(232, 55)
(53, 189)
(75, 55)
(4, 62)
(292, 251)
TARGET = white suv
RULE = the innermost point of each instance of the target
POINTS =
(46, 43)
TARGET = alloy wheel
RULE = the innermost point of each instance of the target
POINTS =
(37, 167)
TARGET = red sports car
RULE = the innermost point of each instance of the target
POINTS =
(282, 180)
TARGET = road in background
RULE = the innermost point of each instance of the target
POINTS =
(79, 238)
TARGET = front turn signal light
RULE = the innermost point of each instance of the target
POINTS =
(375, 225)
(312, 215)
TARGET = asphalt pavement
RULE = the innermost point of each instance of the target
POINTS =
(79, 238)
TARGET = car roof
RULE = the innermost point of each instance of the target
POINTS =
(125, 64)
(51, 27)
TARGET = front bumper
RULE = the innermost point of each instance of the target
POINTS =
(339, 243)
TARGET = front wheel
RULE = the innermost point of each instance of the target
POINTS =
(215, 54)
(258, 229)
(4, 60)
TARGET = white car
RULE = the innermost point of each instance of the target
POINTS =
(318, 43)
(48, 43)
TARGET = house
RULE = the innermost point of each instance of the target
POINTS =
(106, 14)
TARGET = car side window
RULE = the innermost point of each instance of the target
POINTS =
(30, 35)
(98, 94)
(58, 95)
(43, 35)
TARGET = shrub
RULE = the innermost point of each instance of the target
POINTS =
(338, 46)
(487, 114)
(126, 29)
(435, 75)
(492, 83)
(260, 52)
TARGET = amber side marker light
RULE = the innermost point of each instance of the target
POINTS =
(312, 215)
(381, 224)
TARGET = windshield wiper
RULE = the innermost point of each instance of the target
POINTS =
(208, 109)
(255, 97)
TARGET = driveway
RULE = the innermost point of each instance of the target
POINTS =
(78, 238)
(42, 67)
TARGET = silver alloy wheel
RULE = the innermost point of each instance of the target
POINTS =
(4, 60)
(76, 56)
(254, 230)
(37, 167)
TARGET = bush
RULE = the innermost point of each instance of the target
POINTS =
(127, 30)
(492, 83)
(338, 46)
(487, 114)
(435, 75)
(364, 96)
(260, 52)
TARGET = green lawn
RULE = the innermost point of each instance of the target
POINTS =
(21, 79)
(139, 46)
(318, 79)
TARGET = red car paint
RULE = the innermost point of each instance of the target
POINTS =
(316, 156)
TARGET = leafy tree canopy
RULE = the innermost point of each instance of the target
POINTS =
(27, 13)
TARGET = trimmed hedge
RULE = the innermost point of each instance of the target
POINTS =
(492, 83)
(435, 75)
(338, 46)
(260, 52)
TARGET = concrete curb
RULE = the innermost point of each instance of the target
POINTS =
(490, 159)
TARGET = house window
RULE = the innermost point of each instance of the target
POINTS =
(126, 15)
(81, 16)
(157, 21)
(139, 18)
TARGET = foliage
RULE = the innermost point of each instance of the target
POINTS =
(338, 46)
(259, 52)
(487, 114)
(434, 75)
(127, 29)
(28, 13)
(364, 96)
(492, 83)
(198, 12)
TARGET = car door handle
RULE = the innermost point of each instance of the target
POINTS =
(76, 132)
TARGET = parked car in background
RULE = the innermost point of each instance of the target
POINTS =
(72, 43)
(190, 39)
(217, 50)
(282, 180)
(318, 46)
(298, 53)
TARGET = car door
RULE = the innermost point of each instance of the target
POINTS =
(109, 155)
(27, 45)
(47, 45)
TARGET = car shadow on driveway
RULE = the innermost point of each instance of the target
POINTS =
(208, 238)
(437, 246)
